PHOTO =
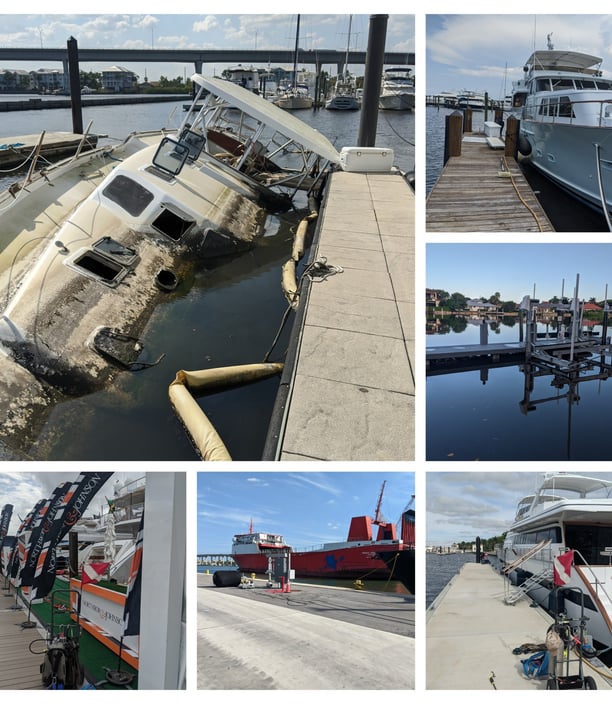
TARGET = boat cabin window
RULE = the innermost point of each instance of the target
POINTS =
(565, 107)
(518, 100)
(171, 156)
(128, 194)
(563, 84)
(591, 542)
(542, 84)
(604, 85)
(172, 224)
(536, 536)
(585, 83)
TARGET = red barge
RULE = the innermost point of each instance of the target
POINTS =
(361, 556)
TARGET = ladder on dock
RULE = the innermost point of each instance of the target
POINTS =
(516, 594)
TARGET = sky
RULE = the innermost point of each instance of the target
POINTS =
(191, 31)
(483, 52)
(461, 506)
(24, 489)
(306, 508)
(477, 270)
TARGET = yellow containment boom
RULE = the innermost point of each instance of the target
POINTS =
(201, 430)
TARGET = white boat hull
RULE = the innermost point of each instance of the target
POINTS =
(396, 101)
(566, 154)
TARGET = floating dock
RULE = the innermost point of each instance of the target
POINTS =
(15, 151)
(314, 638)
(472, 632)
(482, 189)
(348, 388)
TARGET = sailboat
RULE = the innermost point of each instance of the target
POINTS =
(295, 97)
(344, 96)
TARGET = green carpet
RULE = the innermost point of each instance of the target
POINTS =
(94, 656)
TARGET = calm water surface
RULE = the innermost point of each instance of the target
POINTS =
(440, 569)
(564, 211)
(227, 313)
(509, 413)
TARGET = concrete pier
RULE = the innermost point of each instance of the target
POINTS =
(311, 638)
(471, 634)
(350, 384)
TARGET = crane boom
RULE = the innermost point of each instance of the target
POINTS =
(378, 517)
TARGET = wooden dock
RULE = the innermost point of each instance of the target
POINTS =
(482, 190)
(19, 667)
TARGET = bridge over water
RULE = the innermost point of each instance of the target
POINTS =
(200, 57)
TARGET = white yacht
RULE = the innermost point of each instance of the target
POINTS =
(397, 89)
(567, 512)
(565, 107)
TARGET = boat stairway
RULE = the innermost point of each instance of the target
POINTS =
(526, 555)
(519, 592)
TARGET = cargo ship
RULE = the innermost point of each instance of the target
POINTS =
(361, 556)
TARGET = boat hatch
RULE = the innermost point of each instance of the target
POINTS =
(116, 251)
(171, 156)
(194, 141)
(172, 224)
(96, 266)
(130, 195)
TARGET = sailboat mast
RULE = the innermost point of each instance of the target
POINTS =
(295, 53)
(348, 46)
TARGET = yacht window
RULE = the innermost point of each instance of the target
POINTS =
(563, 84)
(128, 194)
(553, 109)
(585, 83)
(565, 107)
(172, 224)
(543, 84)
(543, 109)
(604, 85)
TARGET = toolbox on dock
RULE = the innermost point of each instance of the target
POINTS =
(366, 159)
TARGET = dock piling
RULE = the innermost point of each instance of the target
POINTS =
(453, 135)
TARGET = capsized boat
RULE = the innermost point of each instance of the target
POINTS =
(565, 107)
(87, 245)
(567, 512)
(361, 556)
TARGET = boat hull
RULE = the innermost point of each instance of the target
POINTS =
(566, 154)
(401, 566)
(360, 562)
(396, 101)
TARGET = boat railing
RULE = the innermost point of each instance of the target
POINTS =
(594, 580)
(603, 119)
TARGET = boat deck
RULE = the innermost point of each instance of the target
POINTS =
(350, 382)
(471, 634)
(483, 191)
(19, 668)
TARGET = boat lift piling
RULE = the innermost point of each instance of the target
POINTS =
(75, 85)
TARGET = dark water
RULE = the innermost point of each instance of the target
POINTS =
(227, 313)
(482, 414)
(565, 212)
(440, 569)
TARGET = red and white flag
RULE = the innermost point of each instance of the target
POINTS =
(92, 571)
(562, 568)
